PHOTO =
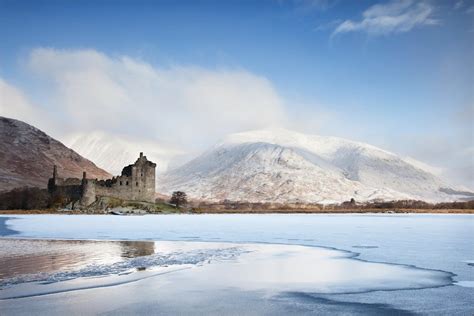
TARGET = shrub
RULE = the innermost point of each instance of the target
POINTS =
(179, 198)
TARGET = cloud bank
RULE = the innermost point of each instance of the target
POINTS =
(186, 104)
(13, 103)
(90, 100)
(396, 16)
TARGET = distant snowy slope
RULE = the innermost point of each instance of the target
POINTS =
(112, 152)
(283, 166)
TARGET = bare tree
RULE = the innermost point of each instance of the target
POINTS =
(179, 198)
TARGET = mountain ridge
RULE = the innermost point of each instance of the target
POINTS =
(27, 157)
(278, 165)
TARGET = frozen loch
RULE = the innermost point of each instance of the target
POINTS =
(237, 264)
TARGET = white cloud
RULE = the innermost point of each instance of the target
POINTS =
(458, 5)
(310, 5)
(169, 112)
(392, 17)
(90, 100)
(114, 151)
(184, 104)
(15, 104)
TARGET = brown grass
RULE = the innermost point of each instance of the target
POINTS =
(355, 211)
(303, 211)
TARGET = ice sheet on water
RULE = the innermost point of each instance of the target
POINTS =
(465, 283)
(439, 242)
(183, 255)
(254, 267)
(294, 268)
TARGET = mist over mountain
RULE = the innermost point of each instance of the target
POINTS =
(111, 152)
(27, 157)
(283, 166)
(273, 165)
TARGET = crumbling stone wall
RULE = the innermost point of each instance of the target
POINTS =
(137, 183)
(69, 188)
(88, 192)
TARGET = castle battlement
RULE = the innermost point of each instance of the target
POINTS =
(137, 182)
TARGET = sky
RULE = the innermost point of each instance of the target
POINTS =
(396, 74)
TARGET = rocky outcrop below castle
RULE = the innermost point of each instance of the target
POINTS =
(27, 156)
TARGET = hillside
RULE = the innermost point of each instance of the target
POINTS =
(27, 157)
(285, 166)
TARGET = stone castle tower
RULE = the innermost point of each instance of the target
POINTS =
(141, 178)
(136, 183)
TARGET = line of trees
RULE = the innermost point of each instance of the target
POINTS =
(29, 198)
(25, 199)
(348, 205)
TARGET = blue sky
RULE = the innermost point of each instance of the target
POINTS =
(397, 74)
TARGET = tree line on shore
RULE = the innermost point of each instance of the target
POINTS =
(29, 198)
(351, 205)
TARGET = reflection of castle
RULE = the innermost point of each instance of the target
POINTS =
(137, 183)
(65, 255)
(132, 249)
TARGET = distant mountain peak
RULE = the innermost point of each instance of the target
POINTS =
(279, 165)
(285, 137)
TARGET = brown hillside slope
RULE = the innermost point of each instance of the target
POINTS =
(27, 157)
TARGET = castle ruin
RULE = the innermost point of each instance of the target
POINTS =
(136, 183)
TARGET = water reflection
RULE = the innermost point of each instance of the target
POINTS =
(20, 257)
(132, 249)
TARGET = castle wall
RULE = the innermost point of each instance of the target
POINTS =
(88, 192)
(121, 188)
(137, 182)
(70, 187)
(73, 192)
(140, 186)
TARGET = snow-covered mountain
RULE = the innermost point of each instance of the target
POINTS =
(27, 157)
(112, 152)
(284, 166)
